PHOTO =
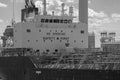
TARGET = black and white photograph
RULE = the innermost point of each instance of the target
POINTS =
(59, 40)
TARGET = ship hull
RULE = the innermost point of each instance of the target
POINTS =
(75, 74)
(21, 68)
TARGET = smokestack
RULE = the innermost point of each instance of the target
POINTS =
(45, 11)
(83, 11)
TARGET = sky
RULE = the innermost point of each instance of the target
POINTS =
(104, 15)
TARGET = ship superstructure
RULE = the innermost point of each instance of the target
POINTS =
(50, 33)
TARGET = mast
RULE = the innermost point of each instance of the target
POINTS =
(13, 9)
(13, 17)
(63, 10)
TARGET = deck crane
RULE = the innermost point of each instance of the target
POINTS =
(29, 3)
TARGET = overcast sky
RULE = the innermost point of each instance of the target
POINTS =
(104, 15)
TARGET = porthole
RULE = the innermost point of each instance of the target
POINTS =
(82, 41)
(82, 31)
(44, 40)
(74, 26)
(69, 26)
(36, 40)
(51, 40)
(28, 30)
(67, 41)
(74, 41)
(67, 44)
(60, 40)
(15, 40)
(41, 25)
(28, 49)
(47, 50)
(28, 40)
(56, 50)
(37, 50)
(57, 38)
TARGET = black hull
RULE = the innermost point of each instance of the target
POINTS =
(21, 68)
(74, 74)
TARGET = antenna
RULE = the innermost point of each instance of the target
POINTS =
(13, 17)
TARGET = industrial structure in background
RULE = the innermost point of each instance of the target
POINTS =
(108, 42)
(7, 37)
(51, 47)
(91, 40)
(107, 37)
